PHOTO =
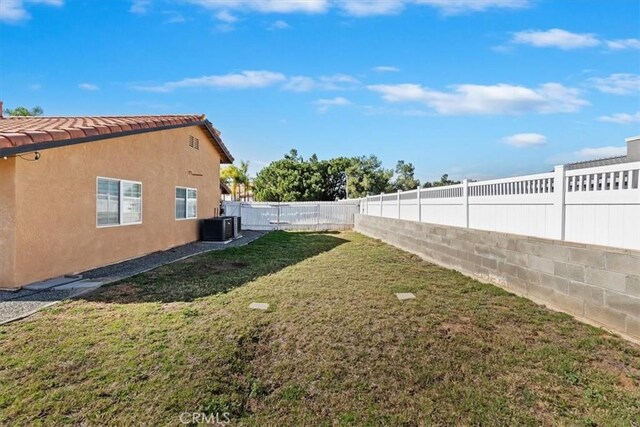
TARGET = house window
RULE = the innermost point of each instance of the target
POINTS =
(118, 202)
(186, 203)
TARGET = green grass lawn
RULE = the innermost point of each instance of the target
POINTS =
(335, 347)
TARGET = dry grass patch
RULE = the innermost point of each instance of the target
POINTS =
(336, 347)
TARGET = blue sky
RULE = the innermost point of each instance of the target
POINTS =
(473, 88)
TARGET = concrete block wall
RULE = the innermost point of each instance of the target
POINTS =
(596, 284)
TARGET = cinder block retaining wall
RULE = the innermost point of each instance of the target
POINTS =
(599, 285)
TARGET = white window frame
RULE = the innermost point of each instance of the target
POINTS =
(120, 197)
(186, 203)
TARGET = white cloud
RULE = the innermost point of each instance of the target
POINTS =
(623, 44)
(494, 99)
(174, 18)
(386, 69)
(618, 84)
(140, 7)
(300, 84)
(359, 8)
(226, 16)
(371, 7)
(266, 6)
(525, 140)
(325, 104)
(621, 118)
(334, 82)
(600, 152)
(555, 37)
(591, 153)
(455, 7)
(12, 11)
(279, 25)
(88, 86)
(242, 80)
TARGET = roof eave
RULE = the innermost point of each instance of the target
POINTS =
(225, 156)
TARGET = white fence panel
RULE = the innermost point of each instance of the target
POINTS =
(603, 205)
(521, 205)
(599, 205)
(294, 216)
(444, 205)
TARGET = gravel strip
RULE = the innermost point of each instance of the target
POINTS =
(19, 304)
(157, 259)
(31, 302)
(10, 295)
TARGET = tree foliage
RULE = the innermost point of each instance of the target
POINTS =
(237, 178)
(295, 179)
(24, 111)
(405, 179)
(443, 181)
(367, 176)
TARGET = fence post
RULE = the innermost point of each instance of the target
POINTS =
(278, 217)
(381, 194)
(399, 205)
(465, 201)
(318, 217)
(419, 205)
(559, 189)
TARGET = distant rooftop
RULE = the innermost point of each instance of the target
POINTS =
(23, 134)
(633, 155)
(595, 163)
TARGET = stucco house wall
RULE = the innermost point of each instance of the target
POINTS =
(7, 221)
(54, 218)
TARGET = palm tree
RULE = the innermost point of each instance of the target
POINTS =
(236, 176)
(243, 177)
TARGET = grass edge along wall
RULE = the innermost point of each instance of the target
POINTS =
(598, 285)
(49, 209)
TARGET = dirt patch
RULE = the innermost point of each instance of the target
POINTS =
(628, 376)
(449, 330)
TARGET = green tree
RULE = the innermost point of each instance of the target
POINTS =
(295, 179)
(405, 179)
(236, 177)
(367, 176)
(289, 179)
(243, 178)
(443, 181)
(23, 111)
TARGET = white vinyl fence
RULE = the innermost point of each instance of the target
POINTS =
(599, 205)
(294, 215)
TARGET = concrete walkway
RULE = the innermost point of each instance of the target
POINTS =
(15, 305)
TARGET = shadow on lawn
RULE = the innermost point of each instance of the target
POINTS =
(218, 271)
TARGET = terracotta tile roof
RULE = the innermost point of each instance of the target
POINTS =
(21, 134)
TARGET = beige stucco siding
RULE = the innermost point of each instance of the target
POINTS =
(7, 217)
(55, 223)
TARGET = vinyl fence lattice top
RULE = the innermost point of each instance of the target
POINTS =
(598, 205)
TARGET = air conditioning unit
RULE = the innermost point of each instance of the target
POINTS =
(218, 229)
(237, 226)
